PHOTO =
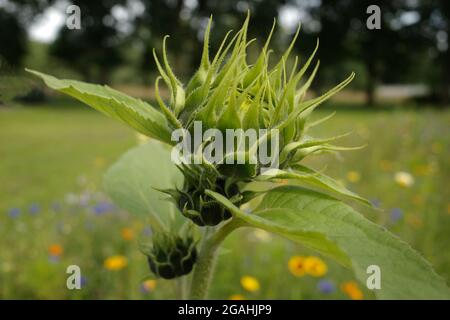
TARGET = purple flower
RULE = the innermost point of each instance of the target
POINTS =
(34, 208)
(53, 258)
(83, 281)
(396, 214)
(14, 212)
(102, 207)
(326, 286)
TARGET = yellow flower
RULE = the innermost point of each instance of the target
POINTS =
(149, 285)
(55, 250)
(236, 297)
(404, 179)
(296, 266)
(116, 262)
(250, 283)
(353, 176)
(127, 234)
(351, 289)
(315, 266)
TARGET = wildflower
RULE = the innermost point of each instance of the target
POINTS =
(148, 286)
(127, 234)
(102, 207)
(236, 297)
(353, 176)
(396, 214)
(34, 208)
(55, 250)
(116, 262)
(296, 266)
(404, 179)
(83, 281)
(351, 289)
(315, 266)
(14, 212)
(326, 286)
(249, 283)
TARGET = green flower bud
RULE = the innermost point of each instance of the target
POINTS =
(172, 256)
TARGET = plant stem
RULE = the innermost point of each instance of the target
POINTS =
(206, 261)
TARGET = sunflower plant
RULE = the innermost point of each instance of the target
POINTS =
(193, 206)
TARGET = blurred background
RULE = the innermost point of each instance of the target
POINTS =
(53, 150)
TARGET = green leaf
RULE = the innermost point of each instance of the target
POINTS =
(335, 229)
(132, 182)
(136, 113)
(314, 178)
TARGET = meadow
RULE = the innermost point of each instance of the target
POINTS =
(53, 212)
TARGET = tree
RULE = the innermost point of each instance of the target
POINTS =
(387, 54)
(94, 50)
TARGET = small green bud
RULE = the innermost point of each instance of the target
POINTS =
(172, 256)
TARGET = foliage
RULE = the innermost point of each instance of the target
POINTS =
(227, 92)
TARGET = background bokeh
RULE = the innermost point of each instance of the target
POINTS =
(53, 151)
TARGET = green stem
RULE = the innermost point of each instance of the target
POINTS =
(206, 261)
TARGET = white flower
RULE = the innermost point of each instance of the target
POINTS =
(404, 179)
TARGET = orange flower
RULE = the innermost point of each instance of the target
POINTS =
(115, 263)
(127, 234)
(296, 266)
(315, 266)
(55, 250)
(351, 289)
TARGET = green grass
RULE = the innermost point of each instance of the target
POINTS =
(54, 154)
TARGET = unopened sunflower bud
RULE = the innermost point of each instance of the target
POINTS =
(172, 256)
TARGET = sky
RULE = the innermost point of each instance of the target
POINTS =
(46, 27)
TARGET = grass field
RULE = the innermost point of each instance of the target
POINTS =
(53, 214)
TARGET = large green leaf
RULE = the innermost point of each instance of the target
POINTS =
(132, 180)
(335, 229)
(136, 113)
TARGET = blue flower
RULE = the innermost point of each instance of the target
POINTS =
(396, 214)
(14, 212)
(102, 207)
(326, 286)
(34, 208)
(83, 281)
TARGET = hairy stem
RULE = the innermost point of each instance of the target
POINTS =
(206, 261)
